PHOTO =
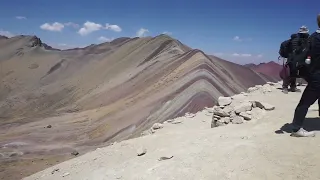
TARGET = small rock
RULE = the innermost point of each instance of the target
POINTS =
(254, 105)
(210, 110)
(237, 120)
(157, 126)
(220, 122)
(220, 112)
(258, 86)
(216, 116)
(75, 153)
(170, 120)
(224, 101)
(55, 170)
(271, 83)
(189, 115)
(165, 158)
(49, 126)
(221, 107)
(252, 89)
(243, 107)
(266, 88)
(232, 114)
(214, 123)
(244, 137)
(243, 93)
(225, 120)
(228, 109)
(177, 121)
(245, 116)
(266, 106)
(152, 131)
(65, 174)
(249, 112)
(141, 151)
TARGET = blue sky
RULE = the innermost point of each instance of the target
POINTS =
(242, 31)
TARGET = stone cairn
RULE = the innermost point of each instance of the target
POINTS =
(226, 112)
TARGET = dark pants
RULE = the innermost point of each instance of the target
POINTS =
(289, 81)
(309, 96)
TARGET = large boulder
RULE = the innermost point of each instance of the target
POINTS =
(224, 101)
(220, 112)
(243, 107)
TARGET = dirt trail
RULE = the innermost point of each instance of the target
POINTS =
(256, 149)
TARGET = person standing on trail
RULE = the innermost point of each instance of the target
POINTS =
(312, 91)
(295, 42)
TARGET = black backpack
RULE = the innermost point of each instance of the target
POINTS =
(296, 60)
(285, 48)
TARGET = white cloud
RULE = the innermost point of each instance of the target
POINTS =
(168, 33)
(89, 27)
(142, 32)
(113, 27)
(20, 17)
(105, 39)
(241, 55)
(6, 33)
(259, 55)
(237, 38)
(74, 25)
(56, 26)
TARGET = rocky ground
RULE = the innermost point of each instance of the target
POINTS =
(245, 137)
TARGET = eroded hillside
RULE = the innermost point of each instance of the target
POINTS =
(53, 102)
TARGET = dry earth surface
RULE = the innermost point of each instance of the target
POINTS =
(188, 148)
(54, 103)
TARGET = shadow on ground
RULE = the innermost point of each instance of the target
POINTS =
(310, 124)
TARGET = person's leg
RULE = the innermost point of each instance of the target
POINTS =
(293, 85)
(285, 85)
(319, 107)
(309, 96)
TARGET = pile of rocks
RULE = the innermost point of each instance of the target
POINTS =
(263, 88)
(227, 112)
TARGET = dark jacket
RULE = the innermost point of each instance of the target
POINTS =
(314, 50)
(297, 39)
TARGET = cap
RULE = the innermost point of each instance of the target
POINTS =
(303, 29)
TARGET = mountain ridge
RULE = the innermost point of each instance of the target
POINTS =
(100, 94)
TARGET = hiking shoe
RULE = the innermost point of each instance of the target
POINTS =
(285, 90)
(295, 90)
(303, 133)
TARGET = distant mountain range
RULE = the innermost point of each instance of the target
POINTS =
(270, 69)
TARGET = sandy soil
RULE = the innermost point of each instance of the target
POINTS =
(257, 149)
